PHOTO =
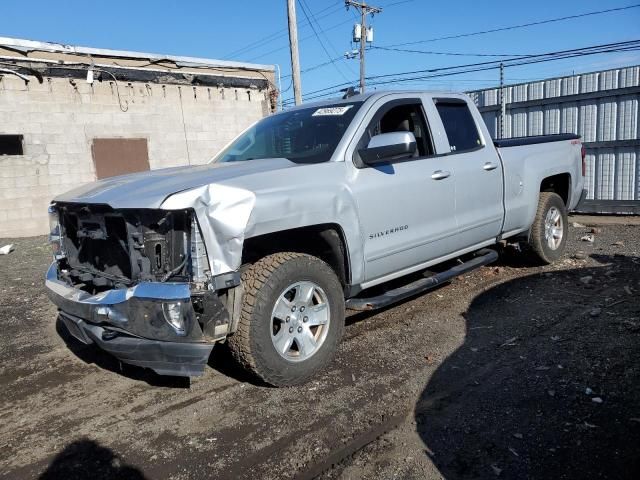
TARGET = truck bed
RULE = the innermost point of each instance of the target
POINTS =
(518, 141)
(526, 162)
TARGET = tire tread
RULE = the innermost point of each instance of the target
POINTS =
(256, 278)
(536, 237)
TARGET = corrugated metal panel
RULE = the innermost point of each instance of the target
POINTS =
(534, 121)
(612, 173)
(589, 82)
(551, 119)
(608, 123)
(628, 119)
(587, 121)
(519, 123)
(553, 88)
(536, 91)
(508, 121)
(608, 80)
(520, 93)
(569, 118)
(629, 77)
(508, 94)
(607, 111)
(626, 174)
(589, 179)
(570, 85)
(605, 174)
(491, 97)
(637, 175)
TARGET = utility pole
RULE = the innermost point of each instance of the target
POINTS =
(293, 42)
(364, 11)
(503, 106)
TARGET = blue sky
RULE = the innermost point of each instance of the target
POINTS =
(256, 31)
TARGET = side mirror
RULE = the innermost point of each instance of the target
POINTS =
(387, 147)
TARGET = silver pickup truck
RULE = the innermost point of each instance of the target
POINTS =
(348, 204)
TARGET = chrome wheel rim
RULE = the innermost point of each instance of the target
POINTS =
(300, 321)
(553, 228)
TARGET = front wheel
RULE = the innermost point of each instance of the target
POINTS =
(292, 318)
(548, 236)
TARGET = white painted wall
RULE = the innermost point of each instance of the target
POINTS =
(60, 118)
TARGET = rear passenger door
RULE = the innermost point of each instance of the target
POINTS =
(478, 174)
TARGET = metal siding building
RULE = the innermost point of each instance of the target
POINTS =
(602, 107)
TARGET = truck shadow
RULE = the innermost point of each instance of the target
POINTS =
(88, 459)
(92, 355)
(547, 382)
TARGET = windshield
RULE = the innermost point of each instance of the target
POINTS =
(308, 135)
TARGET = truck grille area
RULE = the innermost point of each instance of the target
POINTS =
(106, 248)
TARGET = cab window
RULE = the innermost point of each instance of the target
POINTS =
(401, 116)
(407, 118)
(459, 125)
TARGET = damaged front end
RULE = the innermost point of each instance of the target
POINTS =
(137, 282)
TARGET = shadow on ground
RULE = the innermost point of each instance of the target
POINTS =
(87, 459)
(545, 385)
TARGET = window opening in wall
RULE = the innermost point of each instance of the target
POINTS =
(11, 145)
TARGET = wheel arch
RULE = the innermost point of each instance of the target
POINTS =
(559, 184)
(326, 241)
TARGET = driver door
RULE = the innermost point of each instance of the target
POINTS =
(406, 207)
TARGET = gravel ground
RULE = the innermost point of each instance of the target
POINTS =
(511, 371)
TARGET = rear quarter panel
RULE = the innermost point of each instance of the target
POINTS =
(525, 167)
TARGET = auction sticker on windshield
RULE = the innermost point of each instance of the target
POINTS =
(331, 111)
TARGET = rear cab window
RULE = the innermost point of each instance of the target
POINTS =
(459, 125)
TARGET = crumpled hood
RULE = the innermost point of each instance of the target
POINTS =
(150, 189)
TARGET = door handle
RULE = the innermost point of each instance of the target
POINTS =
(439, 174)
(490, 166)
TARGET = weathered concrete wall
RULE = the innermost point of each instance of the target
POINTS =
(60, 118)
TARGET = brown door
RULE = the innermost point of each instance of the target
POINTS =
(119, 156)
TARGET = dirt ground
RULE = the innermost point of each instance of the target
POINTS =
(511, 371)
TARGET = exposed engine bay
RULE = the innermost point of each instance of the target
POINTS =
(102, 248)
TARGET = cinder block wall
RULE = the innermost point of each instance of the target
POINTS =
(60, 118)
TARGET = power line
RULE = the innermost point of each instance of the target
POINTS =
(315, 67)
(453, 54)
(485, 68)
(480, 68)
(324, 64)
(513, 27)
(339, 56)
(333, 27)
(282, 33)
(275, 50)
(392, 47)
(303, 6)
(557, 52)
(633, 45)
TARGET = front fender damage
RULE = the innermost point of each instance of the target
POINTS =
(223, 214)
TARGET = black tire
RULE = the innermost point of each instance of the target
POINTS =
(540, 245)
(264, 284)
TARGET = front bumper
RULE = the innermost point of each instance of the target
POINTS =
(129, 323)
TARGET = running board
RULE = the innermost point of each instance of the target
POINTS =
(484, 257)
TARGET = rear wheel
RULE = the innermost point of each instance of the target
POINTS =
(548, 236)
(292, 318)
